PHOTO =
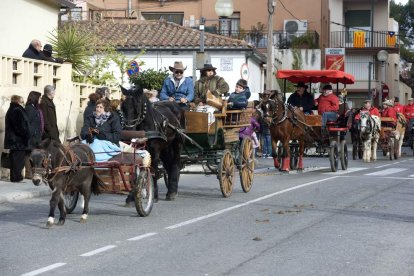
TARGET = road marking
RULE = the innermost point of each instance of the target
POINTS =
(274, 170)
(381, 177)
(184, 223)
(391, 164)
(44, 269)
(97, 251)
(386, 172)
(142, 237)
(349, 170)
(411, 175)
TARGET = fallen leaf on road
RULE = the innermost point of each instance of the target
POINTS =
(257, 239)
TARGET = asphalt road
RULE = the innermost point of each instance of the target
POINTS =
(355, 222)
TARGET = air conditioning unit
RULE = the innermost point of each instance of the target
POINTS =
(295, 28)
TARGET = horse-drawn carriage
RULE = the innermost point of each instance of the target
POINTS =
(217, 148)
(72, 170)
(333, 142)
(390, 140)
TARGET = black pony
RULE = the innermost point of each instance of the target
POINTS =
(161, 122)
(65, 169)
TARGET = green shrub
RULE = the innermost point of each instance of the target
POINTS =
(150, 79)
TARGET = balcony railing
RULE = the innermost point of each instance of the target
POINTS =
(281, 39)
(364, 39)
(97, 15)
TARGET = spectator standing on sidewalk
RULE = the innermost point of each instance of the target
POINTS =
(17, 136)
(36, 125)
(49, 113)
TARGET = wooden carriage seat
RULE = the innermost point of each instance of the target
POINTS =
(313, 120)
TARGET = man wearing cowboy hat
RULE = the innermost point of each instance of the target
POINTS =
(389, 111)
(302, 99)
(209, 81)
(328, 105)
(176, 87)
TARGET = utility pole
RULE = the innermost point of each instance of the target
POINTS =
(270, 78)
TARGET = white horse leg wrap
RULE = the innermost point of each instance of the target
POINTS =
(51, 220)
(84, 216)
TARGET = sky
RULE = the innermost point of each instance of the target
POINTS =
(401, 1)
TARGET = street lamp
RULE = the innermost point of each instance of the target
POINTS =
(382, 57)
(224, 9)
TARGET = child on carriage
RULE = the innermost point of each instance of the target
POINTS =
(239, 98)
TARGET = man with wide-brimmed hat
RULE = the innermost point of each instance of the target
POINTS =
(209, 81)
(302, 99)
(328, 105)
(176, 87)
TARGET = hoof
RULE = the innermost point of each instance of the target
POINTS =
(60, 222)
(128, 205)
(170, 196)
(84, 217)
(82, 220)
(49, 224)
(155, 200)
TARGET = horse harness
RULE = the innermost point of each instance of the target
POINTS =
(74, 164)
(137, 121)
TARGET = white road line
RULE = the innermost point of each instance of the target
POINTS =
(141, 237)
(44, 269)
(349, 170)
(411, 175)
(379, 167)
(380, 177)
(97, 251)
(246, 203)
(386, 172)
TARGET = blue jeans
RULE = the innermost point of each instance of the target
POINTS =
(267, 145)
(328, 116)
(410, 131)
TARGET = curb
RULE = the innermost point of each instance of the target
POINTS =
(20, 195)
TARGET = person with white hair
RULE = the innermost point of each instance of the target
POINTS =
(389, 111)
(48, 108)
(34, 51)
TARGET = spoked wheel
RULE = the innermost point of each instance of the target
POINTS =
(226, 173)
(344, 155)
(294, 156)
(70, 199)
(391, 144)
(143, 192)
(396, 148)
(333, 156)
(246, 162)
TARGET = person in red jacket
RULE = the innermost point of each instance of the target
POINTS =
(328, 105)
(399, 108)
(373, 111)
(409, 115)
(389, 111)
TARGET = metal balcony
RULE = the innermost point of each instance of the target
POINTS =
(368, 40)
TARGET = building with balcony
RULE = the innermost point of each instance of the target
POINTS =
(363, 28)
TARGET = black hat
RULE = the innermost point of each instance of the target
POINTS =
(48, 48)
(207, 66)
(301, 84)
(327, 87)
(396, 99)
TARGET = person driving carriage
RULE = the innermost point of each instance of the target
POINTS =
(102, 131)
(302, 99)
(389, 111)
(373, 111)
(328, 106)
(176, 87)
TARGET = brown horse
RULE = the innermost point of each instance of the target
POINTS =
(286, 124)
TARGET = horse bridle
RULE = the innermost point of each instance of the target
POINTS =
(137, 121)
(274, 114)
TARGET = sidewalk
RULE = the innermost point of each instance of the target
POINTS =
(11, 192)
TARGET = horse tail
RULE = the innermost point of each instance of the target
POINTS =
(96, 184)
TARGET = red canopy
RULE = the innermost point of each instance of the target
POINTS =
(314, 76)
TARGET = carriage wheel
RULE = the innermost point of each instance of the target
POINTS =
(344, 155)
(391, 148)
(333, 156)
(70, 199)
(246, 162)
(294, 152)
(226, 173)
(396, 148)
(143, 192)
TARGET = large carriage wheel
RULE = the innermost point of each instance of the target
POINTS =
(391, 149)
(294, 155)
(333, 156)
(246, 162)
(396, 148)
(344, 155)
(143, 192)
(70, 199)
(226, 173)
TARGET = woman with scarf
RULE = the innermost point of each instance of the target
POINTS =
(102, 131)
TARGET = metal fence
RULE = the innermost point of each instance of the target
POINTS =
(364, 39)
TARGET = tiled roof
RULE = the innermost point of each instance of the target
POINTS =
(158, 35)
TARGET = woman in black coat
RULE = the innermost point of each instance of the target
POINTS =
(102, 124)
(16, 137)
(36, 124)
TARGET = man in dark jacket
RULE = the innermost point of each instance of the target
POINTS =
(302, 99)
(17, 136)
(34, 50)
(48, 108)
(47, 54)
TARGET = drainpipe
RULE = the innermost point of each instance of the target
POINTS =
(372, 23)
(129, 7)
